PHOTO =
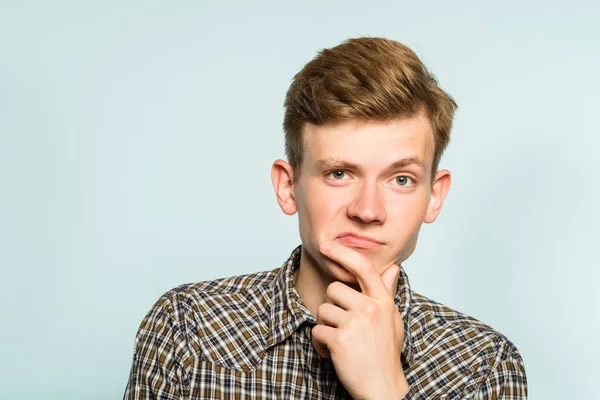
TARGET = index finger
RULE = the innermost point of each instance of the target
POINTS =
(368, 278)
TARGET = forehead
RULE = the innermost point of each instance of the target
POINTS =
(370, 143)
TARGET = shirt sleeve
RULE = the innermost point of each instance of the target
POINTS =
(160, 352)
(507, 381)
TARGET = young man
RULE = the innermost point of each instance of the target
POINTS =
(365, 125)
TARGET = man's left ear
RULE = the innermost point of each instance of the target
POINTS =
(439, 190)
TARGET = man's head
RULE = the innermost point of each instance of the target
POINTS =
(365, 79)
(365, 127)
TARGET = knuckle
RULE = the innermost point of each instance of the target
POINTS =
(341, 338)
(370, 310)
(354, 323)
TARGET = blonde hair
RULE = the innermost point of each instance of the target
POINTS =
(364, 79)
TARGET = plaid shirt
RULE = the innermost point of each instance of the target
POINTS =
(249, 337)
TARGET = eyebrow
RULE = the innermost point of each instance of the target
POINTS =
(336, 163)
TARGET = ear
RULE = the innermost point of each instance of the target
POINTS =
(282, 176)
(439, 190)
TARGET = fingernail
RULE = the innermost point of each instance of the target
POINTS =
(326, 246)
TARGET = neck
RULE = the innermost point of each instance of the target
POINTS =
(311, 282)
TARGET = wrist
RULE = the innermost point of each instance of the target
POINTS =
(395, 391)
(400, 388)
(403, 388)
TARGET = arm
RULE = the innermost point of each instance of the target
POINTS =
(158, 370)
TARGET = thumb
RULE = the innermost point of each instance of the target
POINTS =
(390, 278)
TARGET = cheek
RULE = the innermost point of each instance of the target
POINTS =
(317, 209)
(408, 248)
(409, 214)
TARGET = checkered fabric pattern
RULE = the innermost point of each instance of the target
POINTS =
(249, 337)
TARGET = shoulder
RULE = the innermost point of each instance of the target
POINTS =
(208, 317)
(458, 355)
(451, 336)
(223, 290)
(434, 321)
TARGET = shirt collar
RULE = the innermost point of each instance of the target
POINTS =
(403, 300)
(288, 311)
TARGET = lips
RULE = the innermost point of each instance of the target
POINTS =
(358, 241)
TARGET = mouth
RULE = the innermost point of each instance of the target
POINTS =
(358, 241)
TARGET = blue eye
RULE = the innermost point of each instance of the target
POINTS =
(403, 180)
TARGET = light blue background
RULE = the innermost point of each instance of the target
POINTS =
(136, 140)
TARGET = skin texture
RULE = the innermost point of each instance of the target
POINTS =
(349, 183)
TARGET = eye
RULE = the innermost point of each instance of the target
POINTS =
(338, 174)
(403, 180)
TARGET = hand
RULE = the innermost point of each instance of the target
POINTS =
(363, 333)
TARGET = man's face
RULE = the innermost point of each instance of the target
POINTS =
(369, 179)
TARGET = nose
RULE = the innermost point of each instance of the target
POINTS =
(367, 205)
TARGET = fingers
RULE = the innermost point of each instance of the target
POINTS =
(343, 296)
(331, 315)
(321, 335)
(368, 278)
